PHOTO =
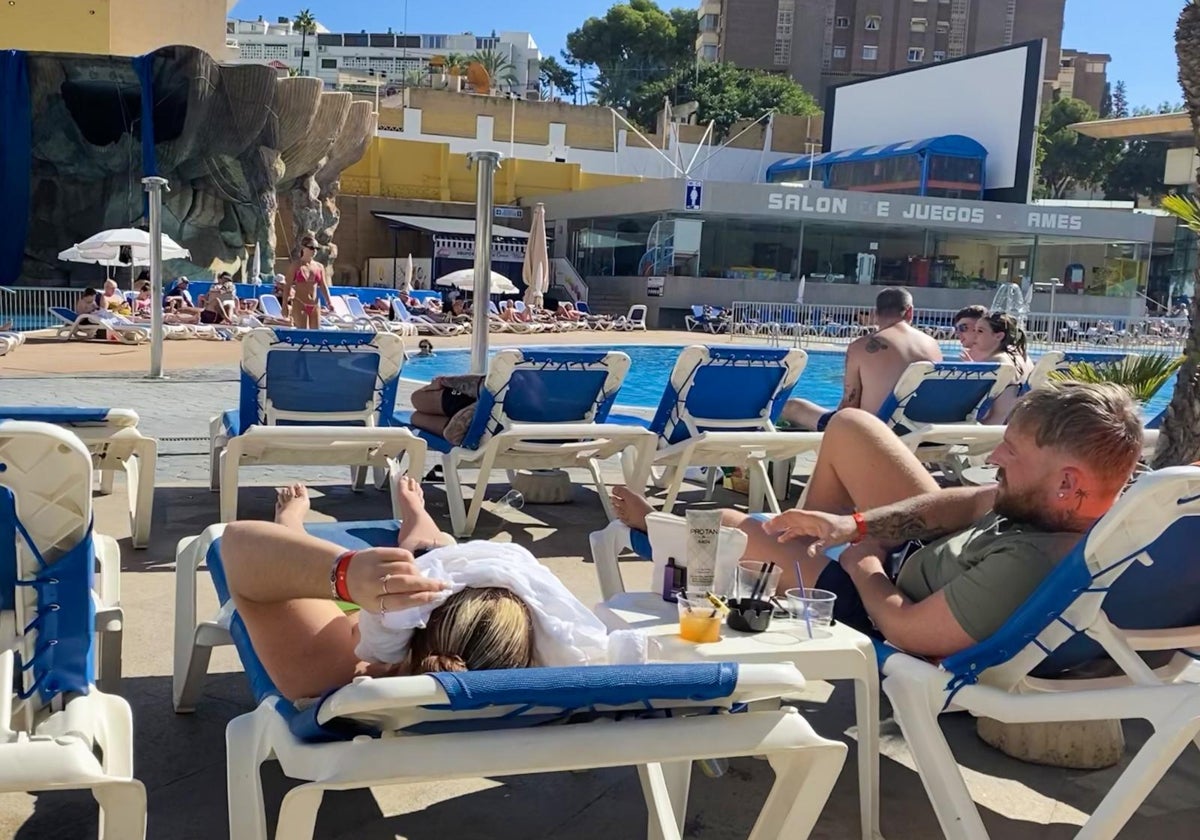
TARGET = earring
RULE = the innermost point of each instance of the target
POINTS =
(1062, 495)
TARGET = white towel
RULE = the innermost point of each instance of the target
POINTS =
(565, 631)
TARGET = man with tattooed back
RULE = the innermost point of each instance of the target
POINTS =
(934, 570)
(874, 363)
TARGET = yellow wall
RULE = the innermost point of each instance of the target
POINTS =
(80, 26)
(414, 169)
(112, 27)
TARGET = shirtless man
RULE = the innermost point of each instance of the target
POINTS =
(874, 363)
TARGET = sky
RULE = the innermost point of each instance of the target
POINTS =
(1138, 34)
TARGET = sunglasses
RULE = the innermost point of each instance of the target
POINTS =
(962, 328)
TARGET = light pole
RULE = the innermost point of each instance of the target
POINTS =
(1052, 284)
(155, 186)
(487, 162)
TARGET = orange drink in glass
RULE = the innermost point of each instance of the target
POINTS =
(699, 617)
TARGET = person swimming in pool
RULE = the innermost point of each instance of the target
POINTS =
(306, 283)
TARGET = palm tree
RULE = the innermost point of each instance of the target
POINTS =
(1179, 440)
(456, 63)
(306, 25)
(498, 67)
(1141, 376)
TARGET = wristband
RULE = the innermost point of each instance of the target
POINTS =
(861, 523)
(337, 576)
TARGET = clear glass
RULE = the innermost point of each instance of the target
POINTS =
(512, 500)
(699, 619)
(747, 576)
(814, 607)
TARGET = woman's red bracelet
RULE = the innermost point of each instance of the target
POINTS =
(337, 575)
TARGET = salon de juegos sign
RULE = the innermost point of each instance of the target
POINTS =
(914, 209)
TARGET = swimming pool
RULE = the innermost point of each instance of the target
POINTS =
(651, 365)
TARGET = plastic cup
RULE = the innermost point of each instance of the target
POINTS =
(747, 576)
(699, 620)
(812, 607)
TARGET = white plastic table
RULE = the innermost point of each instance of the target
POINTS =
(839, 653)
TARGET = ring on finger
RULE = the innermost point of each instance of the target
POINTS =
(382, 606)
(384, 580)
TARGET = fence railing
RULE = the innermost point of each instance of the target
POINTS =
(803, 323)
(27, 308)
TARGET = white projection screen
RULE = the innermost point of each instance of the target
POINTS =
(994, 97)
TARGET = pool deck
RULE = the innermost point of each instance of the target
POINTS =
(181, 759)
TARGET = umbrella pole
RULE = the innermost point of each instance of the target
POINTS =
(154, 186)
(488, 162)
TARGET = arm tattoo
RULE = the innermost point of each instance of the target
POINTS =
(891, 525)
(875, 344)
(851, 399)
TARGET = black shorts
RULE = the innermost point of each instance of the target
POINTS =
(454, 402)
(849, 608)
(209, 317)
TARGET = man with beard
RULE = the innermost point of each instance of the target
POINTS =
(1068, 451)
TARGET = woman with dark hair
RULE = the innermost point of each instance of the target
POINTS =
(998, 338)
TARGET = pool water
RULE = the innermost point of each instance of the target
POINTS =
(651, 365)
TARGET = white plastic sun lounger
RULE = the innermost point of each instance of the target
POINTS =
(719, 410)
(314, 398)
(1131, 586)
(396, 730)
(540, 409)
(52, 716)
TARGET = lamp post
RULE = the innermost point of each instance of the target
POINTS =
(1052, 284)
(155, 186)
(486, 163)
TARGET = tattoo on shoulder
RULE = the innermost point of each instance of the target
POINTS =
(875, 344)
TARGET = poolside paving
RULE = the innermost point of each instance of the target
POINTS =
(181, 757)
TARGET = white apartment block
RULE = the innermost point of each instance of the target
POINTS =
(383, 58)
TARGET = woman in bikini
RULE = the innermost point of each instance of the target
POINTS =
(306, 282)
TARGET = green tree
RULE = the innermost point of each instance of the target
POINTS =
(498, 66)
(634, 44)
(1070, 159)
(555, 79)
(724, 94)
(456, 63)
(1179, 439)
(306, 25)
(1138, 172)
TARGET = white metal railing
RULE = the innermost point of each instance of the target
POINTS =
(800, 323)
(27, 307)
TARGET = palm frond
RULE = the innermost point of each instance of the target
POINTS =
(1142, 376)
(1185, 208)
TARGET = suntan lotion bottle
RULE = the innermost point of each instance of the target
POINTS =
(704, 530)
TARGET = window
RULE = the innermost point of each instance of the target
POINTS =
(434, 42)
(939, 55)
(486, 43)
(872, 24)
(709, 52)
(709, 23)
(918, 24)
(841, 23)
(328, 63)
(916, 55)
(783, 52)
(943, 26)
(839, 52)
(870, 53)
(1095, 67)
(296, 53)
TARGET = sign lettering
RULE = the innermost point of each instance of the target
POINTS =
(1055, 221)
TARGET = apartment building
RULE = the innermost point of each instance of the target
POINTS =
(1084, 75)
(823, 42)
(352, 59)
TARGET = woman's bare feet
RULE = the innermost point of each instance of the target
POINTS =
(291, 505)
(630, 507)
(417, 528)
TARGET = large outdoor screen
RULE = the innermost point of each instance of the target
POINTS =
(993, 97)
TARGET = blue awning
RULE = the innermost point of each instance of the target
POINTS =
(950, 145)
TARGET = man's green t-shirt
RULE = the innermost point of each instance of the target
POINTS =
(987, 571)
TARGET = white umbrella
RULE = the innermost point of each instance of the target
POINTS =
(107, 245)
(406, 284)
(800, 291)
(536, 269)
(72, 255)
(465, 280)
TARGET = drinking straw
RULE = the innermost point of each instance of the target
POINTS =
(760, 583)
(800, 580)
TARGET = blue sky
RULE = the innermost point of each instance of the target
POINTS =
(1138, 34)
